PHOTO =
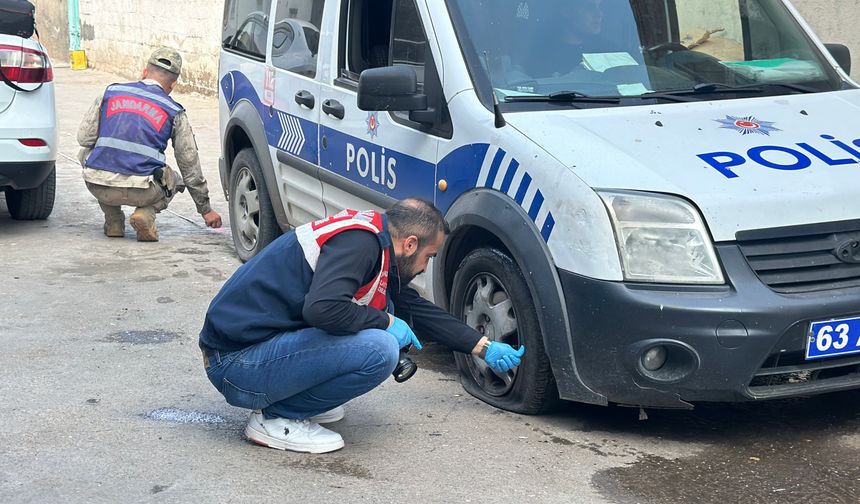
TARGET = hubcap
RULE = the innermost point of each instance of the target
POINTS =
(246, 209)
(489, 310)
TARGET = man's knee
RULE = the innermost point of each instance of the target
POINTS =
(384, 354)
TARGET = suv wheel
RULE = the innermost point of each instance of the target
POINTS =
(252, 219)
(491, 295)
(33, 204)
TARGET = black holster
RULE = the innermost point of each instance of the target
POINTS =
(158, 176)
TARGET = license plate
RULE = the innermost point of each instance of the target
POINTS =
(833, 338)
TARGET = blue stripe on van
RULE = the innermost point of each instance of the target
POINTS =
(509, 177)
(548, 226)
(536, 204)
(284, 131)
(524, 187)
(494, 168)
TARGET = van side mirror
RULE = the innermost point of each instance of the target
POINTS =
(393, 88)
(841, 54)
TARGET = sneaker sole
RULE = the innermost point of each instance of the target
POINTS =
(262, 439)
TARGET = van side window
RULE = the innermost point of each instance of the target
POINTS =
(296, 35)
(367, 30)
(408, 41)
(246, 27)
(381, 33)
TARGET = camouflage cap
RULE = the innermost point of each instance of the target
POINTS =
(167, 59)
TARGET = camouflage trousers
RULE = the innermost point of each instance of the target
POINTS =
(151, 200)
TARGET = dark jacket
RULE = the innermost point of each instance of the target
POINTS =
(277, 292)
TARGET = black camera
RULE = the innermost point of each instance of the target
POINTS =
(406, 367)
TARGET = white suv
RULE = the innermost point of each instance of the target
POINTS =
(28, 129)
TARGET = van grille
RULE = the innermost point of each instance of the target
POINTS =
(804, 258)
(789, 375)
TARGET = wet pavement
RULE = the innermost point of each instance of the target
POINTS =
(779, 452)
(103, 397)
(790, 451)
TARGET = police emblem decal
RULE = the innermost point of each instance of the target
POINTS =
(372, 124)
(747, 125)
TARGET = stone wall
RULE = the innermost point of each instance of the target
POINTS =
(118, 35)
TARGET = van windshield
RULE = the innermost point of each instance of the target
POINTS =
(679, 50)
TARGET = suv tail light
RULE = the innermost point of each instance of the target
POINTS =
(25, 66)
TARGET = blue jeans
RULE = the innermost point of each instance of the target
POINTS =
(300, 374)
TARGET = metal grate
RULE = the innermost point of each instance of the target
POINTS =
(805, 258)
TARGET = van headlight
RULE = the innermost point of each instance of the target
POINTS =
(661, 239)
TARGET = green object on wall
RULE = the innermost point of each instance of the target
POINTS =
(74, 25)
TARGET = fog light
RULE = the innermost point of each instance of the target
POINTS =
(654, 358)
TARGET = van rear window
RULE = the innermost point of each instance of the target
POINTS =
(246, 26)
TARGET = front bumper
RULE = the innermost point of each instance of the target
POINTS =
(738, 342)
(24, 175)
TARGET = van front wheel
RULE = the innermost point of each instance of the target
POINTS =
(252, 219)
(491, 295)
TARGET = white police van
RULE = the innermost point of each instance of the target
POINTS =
(659, 198)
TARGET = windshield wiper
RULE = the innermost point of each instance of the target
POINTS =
(564, 96)
(716, 87)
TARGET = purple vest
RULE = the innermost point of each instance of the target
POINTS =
(136, 124)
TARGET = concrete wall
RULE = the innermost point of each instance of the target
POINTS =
(52, 21)
(118, 35)
(834, 22)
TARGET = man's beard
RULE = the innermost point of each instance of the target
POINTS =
(406, 269)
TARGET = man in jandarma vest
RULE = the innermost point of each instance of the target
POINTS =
(319, 317)
(124, 136)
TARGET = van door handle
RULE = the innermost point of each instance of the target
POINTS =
(306, 98)
(333, 108)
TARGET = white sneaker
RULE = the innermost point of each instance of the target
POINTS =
(332, 415)
(293, 435)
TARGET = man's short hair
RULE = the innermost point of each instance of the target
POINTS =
(418, 217)
(161, 75)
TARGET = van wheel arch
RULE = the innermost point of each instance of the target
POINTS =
(486, 218)
(244, 130)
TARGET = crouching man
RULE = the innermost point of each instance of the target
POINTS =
(319, 317)
(124, 136)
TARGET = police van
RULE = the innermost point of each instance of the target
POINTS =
(659, 198)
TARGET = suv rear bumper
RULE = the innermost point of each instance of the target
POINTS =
(24, 175)
(738, 342)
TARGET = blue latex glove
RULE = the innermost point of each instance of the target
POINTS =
(401, 330)
(502, 357)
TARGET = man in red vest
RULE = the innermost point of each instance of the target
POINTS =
(319, 317)
(124, 136)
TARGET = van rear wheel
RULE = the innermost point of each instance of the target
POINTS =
(252, 219)
(491, 295)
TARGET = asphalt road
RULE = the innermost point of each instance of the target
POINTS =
(103, 397)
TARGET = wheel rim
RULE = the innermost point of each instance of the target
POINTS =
(246, 209)
(489, 310)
